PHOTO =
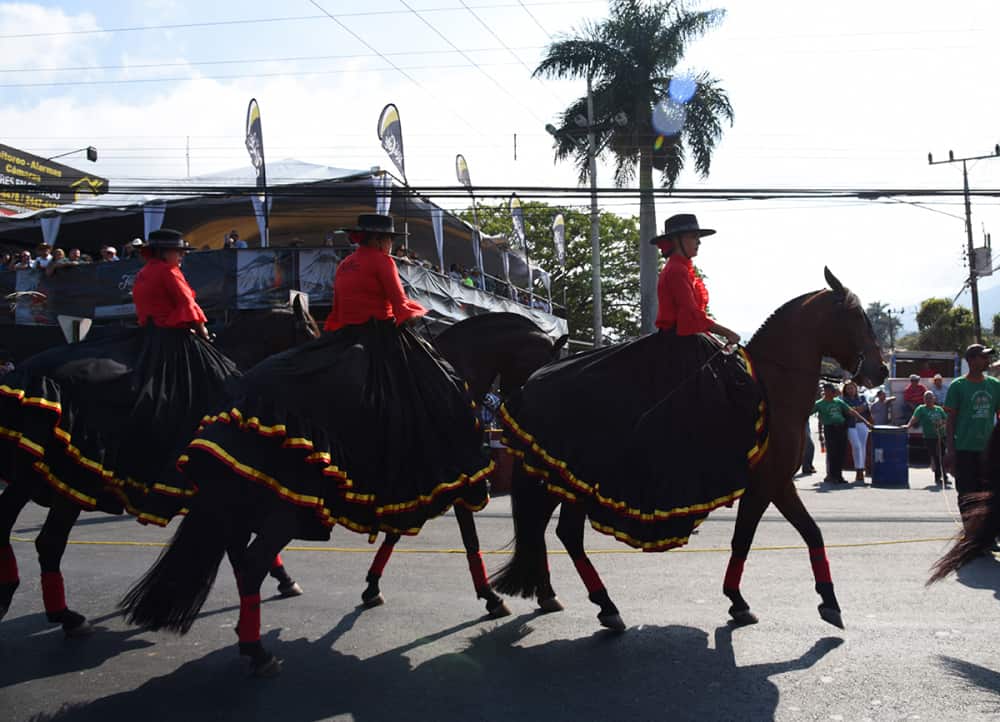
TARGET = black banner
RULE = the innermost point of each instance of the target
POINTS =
(390, 133)
(30, 183)
(255, 143)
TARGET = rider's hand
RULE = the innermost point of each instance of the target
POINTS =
(732, 337)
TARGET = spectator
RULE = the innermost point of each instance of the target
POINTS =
(109, 254)
(913, 396)
(74, 256)
(455, 273)
(933, 423)
(23, 261)
(328, 240)
(833, 414)
(58, 261)
(971, 404)
(938, 388)
(881, 408)
(857, 433)
(131, 249)
(233, 240)
(6, 261)
(467, 280)
(43, 257)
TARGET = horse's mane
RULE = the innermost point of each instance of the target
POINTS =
(850, 301)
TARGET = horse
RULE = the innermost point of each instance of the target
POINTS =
(171, 593)
(980, 518)
(481, 349)
(249, 336)
(786, 353)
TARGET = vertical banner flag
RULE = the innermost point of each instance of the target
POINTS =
(437, 222)
(559, 238)
(390, 133)
(255, 146)
(462, 172)
(152, 217)
(517, 217)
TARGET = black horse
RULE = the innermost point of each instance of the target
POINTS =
(249, 336)
(503, 347)
(173, 591)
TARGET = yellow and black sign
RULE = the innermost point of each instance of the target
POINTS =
(29, 182)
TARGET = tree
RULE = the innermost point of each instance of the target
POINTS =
(630, 59)
(619, 245)
(942, 326)
(884, 323)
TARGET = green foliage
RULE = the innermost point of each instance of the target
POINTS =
(632, 56)
(885, 324)
(996, 324)
(944, 326)
(619, 253)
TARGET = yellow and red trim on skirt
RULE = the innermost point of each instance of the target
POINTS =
(114, 484)
(318, 504)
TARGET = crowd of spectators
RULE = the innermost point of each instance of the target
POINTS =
(49, 259)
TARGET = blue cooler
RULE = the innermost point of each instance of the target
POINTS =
(890, 456)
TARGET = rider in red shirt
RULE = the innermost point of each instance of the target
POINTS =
(682, 296)
(161, 293)
(367, 282)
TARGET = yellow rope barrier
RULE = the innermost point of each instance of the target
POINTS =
(626, 550)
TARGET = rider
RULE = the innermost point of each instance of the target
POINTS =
(101, 422)
(366, 427)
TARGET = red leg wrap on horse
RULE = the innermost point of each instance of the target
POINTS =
(53, 593)
(277, 561)
(821, 567)
(589, 575)
(477, 569)
(734, 573)
(248, 628)
(381, 559)
(8, 565)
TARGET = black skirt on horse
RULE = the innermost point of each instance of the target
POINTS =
(650, 435)
(104, 421)
(367, 427)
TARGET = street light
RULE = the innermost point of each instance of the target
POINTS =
(587, 123)
(91, 153)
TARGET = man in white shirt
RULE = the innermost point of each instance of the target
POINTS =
(43, 257)
(939, 389)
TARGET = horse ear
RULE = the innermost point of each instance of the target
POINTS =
(558, 345)
(835, 285)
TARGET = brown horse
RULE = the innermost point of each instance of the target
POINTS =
(786, 353)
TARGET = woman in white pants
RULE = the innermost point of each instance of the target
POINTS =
(857, 432)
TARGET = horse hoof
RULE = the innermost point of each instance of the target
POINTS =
(78, 631)
(743, 617)
(498, 609)
(370, 602)
(832, 616)
(552, 604)
(287, 591)
(613, 622)
(269, 668)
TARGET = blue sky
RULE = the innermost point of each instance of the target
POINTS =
(852, 94)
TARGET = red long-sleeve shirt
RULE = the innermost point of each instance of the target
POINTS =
(682, 298)
(367, 286)
(162, 294)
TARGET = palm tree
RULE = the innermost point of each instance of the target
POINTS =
(630, 59)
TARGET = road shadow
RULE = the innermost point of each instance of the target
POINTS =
(88, 520)
(974, 675)
(981, 573)
(650, 672)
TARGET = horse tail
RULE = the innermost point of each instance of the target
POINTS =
(982, 523)
(527, 569)
(170, 595)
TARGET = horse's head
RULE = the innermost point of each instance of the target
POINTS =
(848, 336)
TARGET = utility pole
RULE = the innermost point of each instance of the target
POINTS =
(973, 285)
(892, 313)
(187, 154)
(595, 223)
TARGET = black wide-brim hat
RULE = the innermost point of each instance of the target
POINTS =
(678, 224)
(167, 238)
(375, 223)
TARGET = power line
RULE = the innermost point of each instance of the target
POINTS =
(473, 62)
(493, 33)
(532, 16)
(256, 21)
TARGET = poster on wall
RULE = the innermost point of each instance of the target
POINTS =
(264, 277)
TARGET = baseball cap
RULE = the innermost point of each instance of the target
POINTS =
(914, 377)
(137, 241)
(977, 349)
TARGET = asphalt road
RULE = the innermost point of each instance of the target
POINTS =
(429, 654)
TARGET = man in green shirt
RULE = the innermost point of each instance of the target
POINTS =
(933, 421)
(833, 414)
(972, 404)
